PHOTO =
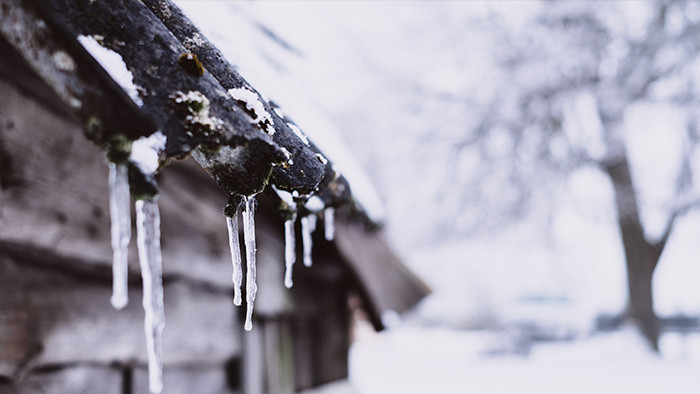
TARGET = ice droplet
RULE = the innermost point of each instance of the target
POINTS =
(148, 240)
(329, 223)
(290, 253)
(232, 224)
(308, 225)
(249, 236)
(120, 214)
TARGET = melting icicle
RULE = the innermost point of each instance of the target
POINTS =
(290, 253)
(308, 225)
(232, 224)
(148, 239)
(249, 236)
(120, 212)
(329, 223)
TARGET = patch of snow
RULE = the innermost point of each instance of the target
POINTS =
(63, 61)
(202, 116)
(436, 360)
(298, 133)
(322, 158)
(314, 204)
(114, 64)
(253, 103)
(287, 155)
(285, 196)
(146, 150)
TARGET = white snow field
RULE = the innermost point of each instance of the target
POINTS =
(419, 360)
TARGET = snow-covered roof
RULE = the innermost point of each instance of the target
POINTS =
(265, 59)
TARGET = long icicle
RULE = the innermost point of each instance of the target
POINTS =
(234, 244)
(329, 223)
(290, 253)
(120, 214)
(148, 239)
(249, 236)
(308, 225)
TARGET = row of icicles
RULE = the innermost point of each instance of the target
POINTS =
(148, 242)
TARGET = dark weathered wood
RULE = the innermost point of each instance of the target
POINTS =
(279, 363)
(385, 282)
(55, 196)
(157, 66)
(14, 68)
(309, 172)
(306, 171)
(189, 379)
(303, 359)
(333, 189)
(73, 380)
(92, 96)
(50, 317)
(153, 56)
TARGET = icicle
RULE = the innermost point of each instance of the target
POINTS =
(148, 239)
(290, 253)
(249, 236)
(120, 212)
(308, 225)
(233, 243)
(329, 223)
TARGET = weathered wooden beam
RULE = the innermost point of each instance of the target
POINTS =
(169, 93)
(188, 102)
(310, 171)
(306, 169)
(53, 183)
(50, 318)
(333, 189)
(92, 95)
(14, 68)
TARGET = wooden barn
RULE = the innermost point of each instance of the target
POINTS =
(65, 115)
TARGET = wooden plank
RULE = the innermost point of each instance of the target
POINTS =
(54, 196)
(122, 26)
(386, 283)
(337, 387)
(306, 170)
(279, 364)
(253, 365)
(53, 317)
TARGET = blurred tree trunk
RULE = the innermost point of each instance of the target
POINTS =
(641, 255)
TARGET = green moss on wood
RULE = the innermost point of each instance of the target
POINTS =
(118, 148)
(193, 108)
(191, 64)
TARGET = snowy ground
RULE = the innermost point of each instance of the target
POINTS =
(438, 360)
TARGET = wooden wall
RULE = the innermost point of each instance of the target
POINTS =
(58, 332)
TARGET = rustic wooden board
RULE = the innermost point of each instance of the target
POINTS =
(387, 284)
